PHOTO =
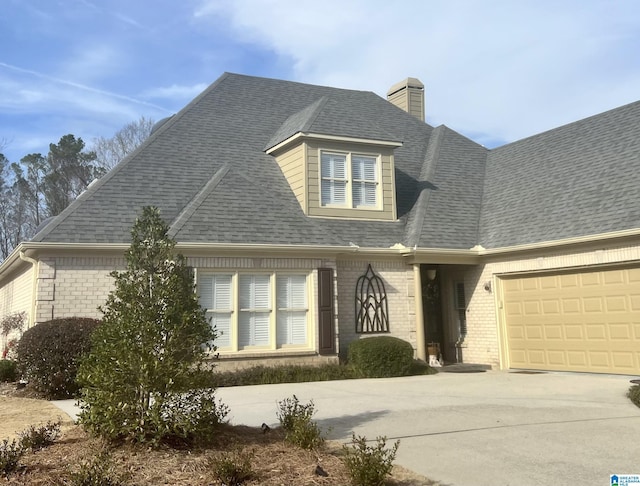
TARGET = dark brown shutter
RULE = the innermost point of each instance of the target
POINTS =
(325, 311)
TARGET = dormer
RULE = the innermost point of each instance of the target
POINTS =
(337, 175)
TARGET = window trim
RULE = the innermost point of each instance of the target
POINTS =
(273, 346)
(349, 179)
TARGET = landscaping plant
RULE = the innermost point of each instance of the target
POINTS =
(232, 468)
(143, 379)
(37, 438)
(381, 356)
(634, 394)
(296, 421)
(369, 465)
(48, 355)
(11, 324)
(8, 370)
(10, 454)
(97, 471)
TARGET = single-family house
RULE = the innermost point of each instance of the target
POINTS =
(314, 216)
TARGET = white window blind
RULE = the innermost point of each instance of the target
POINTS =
(291, 326)
(333, 173)
(216, 298)
(363, 173)
(254, 296)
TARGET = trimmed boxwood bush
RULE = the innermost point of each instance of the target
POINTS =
(48, 354)
(8, 370)
(381, 356)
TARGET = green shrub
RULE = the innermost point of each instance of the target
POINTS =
(36, 438)
(232, 468)
(48, 354)
(8, 371)
(265, 375)
(381, 356)
(369, 465)
(98, 471)
(10, 454)
(142, 380)
(634, 394)
(296, 421)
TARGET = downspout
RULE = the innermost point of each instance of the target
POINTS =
(34, 287)
(421, 349)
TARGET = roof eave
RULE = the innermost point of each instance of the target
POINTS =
(300, 136)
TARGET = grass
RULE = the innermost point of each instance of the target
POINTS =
(266, 375)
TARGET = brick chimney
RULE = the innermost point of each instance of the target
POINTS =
(408, 95)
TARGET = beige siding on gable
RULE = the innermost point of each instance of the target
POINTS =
(387, 173)
(15, 297)
(292, 165)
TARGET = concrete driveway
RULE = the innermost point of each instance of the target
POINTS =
(476, 429)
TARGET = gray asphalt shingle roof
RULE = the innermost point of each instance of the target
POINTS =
(576, 180)
(206, 169)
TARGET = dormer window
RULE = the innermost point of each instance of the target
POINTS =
(349, 180)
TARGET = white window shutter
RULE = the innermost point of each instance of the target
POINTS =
(254, 296)
(292, 309)
(222, 292)
(222, 323)
(261, 328)
(298, 324)
(205, 291)
(244, 329)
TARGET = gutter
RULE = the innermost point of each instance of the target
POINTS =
(34, 287)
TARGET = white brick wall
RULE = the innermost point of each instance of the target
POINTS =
(398, 281)
(74, 286)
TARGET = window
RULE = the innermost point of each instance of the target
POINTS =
(261, 311)
(349, 180)
(460, 304)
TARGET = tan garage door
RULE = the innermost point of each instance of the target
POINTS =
(574, 321)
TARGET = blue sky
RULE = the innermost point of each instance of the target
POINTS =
(494, 70)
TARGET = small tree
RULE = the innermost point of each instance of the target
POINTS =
(143, 378)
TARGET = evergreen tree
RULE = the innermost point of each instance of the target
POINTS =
(143, 380)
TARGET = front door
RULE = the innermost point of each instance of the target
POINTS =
(432, 308)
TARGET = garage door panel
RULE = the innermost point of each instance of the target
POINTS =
(568, 281)
(592, 304)
(531, 308)
(551, 306)
(536, 356)
(617, 303)
(556, 358)
(614, 277)
(580, 321)
(624, 360)
(573, 332)
(599, 359)
(589, 279)
(577, 358)
(634, 275)
(571, 306)
(553, 332)
(620, 332)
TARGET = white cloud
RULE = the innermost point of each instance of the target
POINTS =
(500, 70)
(175, 92)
